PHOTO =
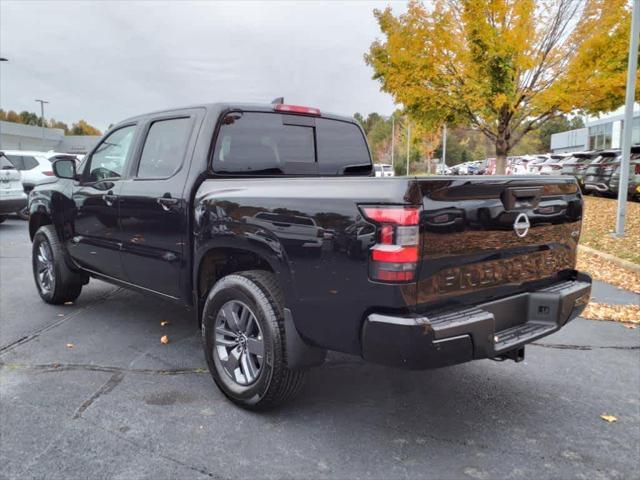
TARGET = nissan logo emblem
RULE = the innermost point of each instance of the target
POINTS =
(521, 225)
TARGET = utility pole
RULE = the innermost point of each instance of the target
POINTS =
(393, 139)
(628, 119)
(444, 148)
(2, 59)
(408, 142)
(42, 102)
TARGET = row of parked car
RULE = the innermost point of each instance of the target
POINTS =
(20, 171)
(597, 171)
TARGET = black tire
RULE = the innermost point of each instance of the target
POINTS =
(275, 382)
(2, 218)
(23, 214)
(64, 284)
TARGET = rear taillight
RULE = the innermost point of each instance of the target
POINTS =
(637, 169)
(394, 256)
(48, 174)
(281, 107)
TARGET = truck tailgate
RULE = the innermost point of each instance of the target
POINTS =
(485, 238)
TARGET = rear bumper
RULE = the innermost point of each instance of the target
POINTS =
(597, 186)
(12, 204)
(457, 336)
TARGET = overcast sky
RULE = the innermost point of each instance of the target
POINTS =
(105, 61)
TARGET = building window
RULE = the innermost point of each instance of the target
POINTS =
(635, 131)
(600, 136)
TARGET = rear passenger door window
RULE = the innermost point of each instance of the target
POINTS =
(164, 148)
(256, 143)
(340, 145)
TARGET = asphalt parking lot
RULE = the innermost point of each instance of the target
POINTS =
(119, 404)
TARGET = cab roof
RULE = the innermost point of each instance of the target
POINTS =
(218, 108)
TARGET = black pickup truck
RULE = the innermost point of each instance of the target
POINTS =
(267, 222)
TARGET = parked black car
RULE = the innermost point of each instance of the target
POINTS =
(199, 206)
(598, 173)
(633, 188)
(577, 164)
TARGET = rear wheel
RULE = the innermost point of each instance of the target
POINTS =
(55, 281)
(244, 343)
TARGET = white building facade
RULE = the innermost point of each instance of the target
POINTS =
(597, 135)
(15, 136)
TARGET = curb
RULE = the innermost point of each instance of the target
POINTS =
(634, 267)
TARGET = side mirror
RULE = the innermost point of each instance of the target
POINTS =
(65, 168)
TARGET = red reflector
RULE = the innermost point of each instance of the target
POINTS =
(395, 254)
(397, 215)
(48, 174)
(281, 107)
(390, 276)
(637, 169)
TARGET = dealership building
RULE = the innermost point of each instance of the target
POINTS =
(16, 136)
(598, 134)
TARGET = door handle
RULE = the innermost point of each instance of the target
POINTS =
(109, 199)
(167, 202)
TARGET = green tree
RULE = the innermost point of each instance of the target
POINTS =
(29, 118)
(561, 123)
(504, 67)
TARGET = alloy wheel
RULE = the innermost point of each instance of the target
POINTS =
(239, 343)
(44, 267)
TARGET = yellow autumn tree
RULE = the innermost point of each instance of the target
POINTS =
(504, 67)
(82, 127)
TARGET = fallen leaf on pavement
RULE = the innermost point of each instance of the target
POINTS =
(164, 339)
(617, 313)
(164, 323)
(599, 220)
(609, 418)
(70, 345)
(608, 272)
(68, 303)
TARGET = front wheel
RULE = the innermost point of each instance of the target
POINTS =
(55, 281)
(243, 338)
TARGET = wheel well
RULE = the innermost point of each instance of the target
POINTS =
(37, 220)
(219, 262)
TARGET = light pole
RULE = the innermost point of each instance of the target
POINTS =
(393, 139)
(444, 148)
(408, 143)
(42, 102)
(628, 119)
(2, 59)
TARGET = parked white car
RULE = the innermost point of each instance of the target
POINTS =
(12, 196)
(383, 170)
(33, 166)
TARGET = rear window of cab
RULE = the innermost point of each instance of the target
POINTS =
(262, 143)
